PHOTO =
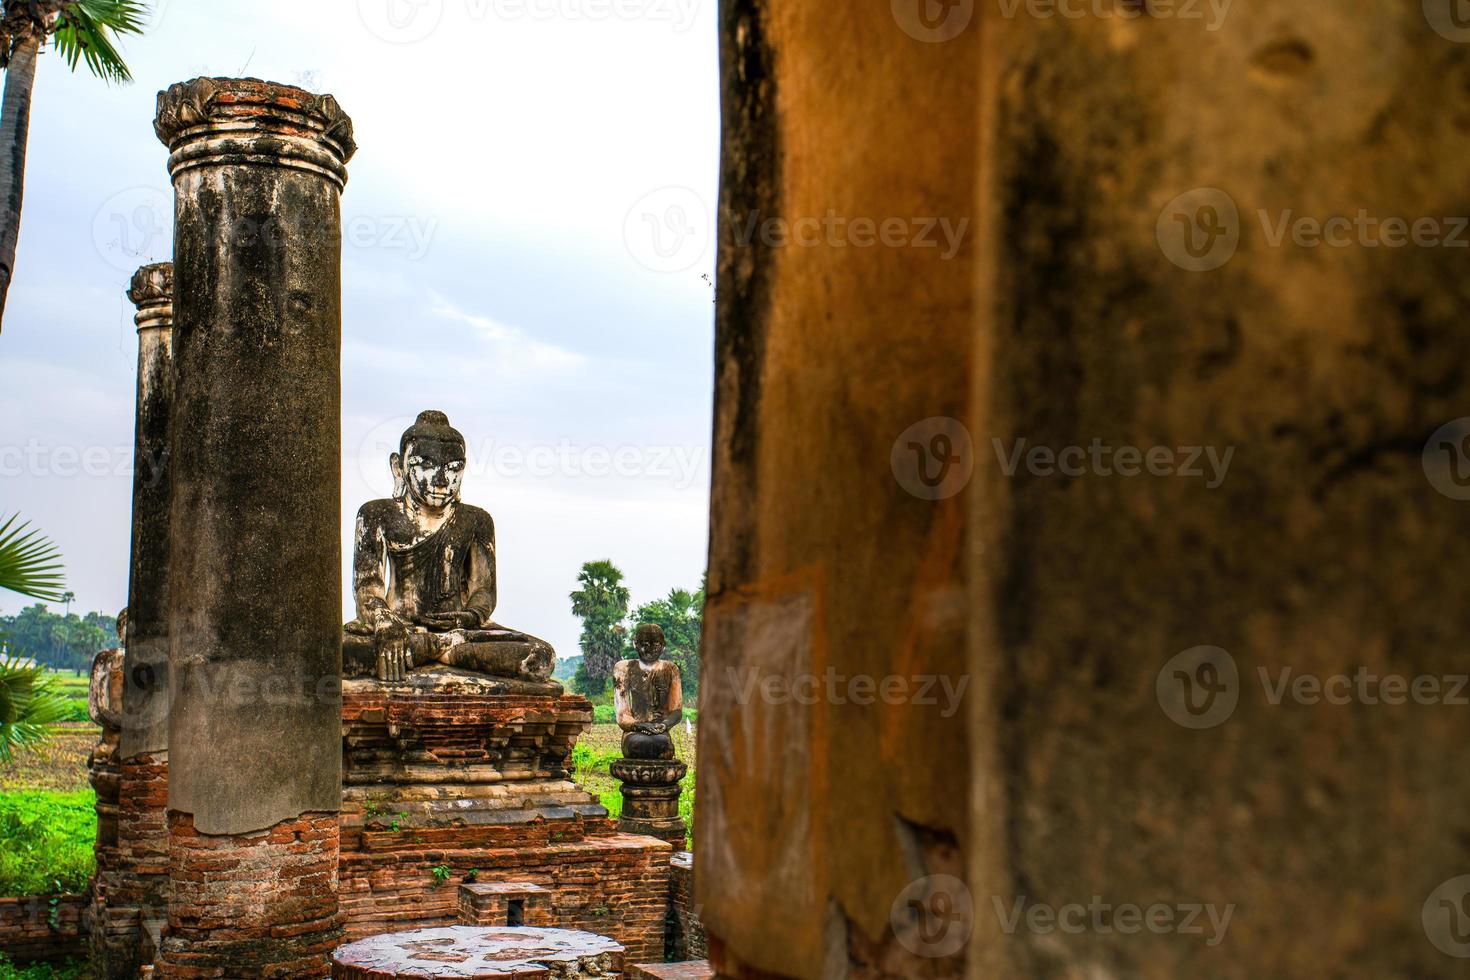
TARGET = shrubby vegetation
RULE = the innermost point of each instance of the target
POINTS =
(70, 970)
(48, 842)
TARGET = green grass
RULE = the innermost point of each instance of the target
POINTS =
(48, 842)
(70, 970)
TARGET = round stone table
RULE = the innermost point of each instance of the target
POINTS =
(475, 951)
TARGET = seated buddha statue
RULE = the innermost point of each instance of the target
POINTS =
(648, 697)
(423, 571)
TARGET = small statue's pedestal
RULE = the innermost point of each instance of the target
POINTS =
(447, 773)
(651, 798)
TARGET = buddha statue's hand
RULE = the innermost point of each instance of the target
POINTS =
(459, 619)
(395, 656)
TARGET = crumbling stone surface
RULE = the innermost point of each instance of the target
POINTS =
(470, 952)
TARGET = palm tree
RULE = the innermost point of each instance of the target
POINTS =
(30, 565)
(80, 30)
(602, 603)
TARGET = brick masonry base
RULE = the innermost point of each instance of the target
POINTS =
(33, 929)
(598, 881)
(252, 905)
(130, 892)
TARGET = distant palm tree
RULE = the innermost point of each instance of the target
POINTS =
(80, 30)
(602, 603)
(30, 565)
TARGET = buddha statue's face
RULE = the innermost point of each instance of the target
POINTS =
(650, 647)
(431, 472)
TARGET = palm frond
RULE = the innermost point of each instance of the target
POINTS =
(29, 702)
(84, 32)
(29, 563)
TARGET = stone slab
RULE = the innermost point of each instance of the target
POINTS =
(470, 952)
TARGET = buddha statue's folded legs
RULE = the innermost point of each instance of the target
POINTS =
(493, 650)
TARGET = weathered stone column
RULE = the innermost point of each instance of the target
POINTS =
(130, 898)
(255, 575)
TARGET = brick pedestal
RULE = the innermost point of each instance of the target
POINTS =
(448, 773)
(260, 904)
(505, 903)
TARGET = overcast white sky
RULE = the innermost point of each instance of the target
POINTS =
(527, 227)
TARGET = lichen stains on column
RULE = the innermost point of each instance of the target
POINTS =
(254, 567)
(145, 718)
(255, 570)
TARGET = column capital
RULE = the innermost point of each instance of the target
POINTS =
(152, 292)
(246, 120)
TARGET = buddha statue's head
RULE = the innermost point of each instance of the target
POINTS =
(429, 465)
(648, 640)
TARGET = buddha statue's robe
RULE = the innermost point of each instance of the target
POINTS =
(647, 696)
(451, 570)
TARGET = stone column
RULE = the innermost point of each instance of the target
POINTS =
(254, 587)
(1080, 599)
(131, 897)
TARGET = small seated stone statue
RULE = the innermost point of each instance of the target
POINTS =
(648, 697)
(424, 574)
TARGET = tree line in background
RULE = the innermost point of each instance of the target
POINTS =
(63, 641)
(602, 602)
